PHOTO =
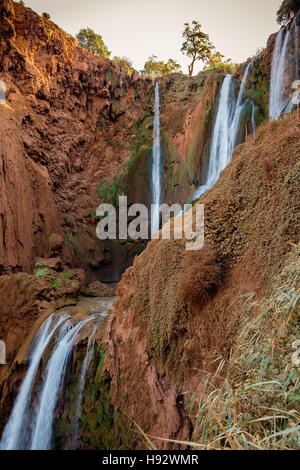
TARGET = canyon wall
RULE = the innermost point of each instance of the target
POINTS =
(178, 312)
(68, 124)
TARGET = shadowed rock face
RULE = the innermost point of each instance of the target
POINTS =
(64, 128)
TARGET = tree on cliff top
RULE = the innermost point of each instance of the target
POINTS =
(93, 43)
(288, 11)
(158, 68)
(196, 44)
(216, 61)
(125, 64)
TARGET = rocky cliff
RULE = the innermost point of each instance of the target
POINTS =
(178, 314)
(69, 123)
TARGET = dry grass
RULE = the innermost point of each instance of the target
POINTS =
(257, 406)
(198, 278)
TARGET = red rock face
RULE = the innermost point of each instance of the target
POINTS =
(64, 127)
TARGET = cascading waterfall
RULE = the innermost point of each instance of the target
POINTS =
(18, 427)
(31, 424)
(234, 126)
(253, 118)
(87, 358)
(277, 98)
(226, 129)
(156, 165)
(55, 373)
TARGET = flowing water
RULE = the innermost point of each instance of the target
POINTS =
(85, 364)
(226, 130)
(297, 53)
(253, 109)
(55, 374)
(235, 123)
(277, 95)
(156, 165)
(15, 434)
(31, 423)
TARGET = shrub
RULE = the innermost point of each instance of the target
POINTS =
(92, 42)
(46, 16)
(287, 11)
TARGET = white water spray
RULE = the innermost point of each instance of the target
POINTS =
(253, 117)
(17, 429)
(277, 98)
(85, 364)
(234, 127)
(55, 374)
(156, 165)
(226, 130)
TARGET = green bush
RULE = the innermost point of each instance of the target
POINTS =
(46, 16)
(92, 42)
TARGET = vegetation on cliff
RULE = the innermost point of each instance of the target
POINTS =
(93, 43)
(287, 11)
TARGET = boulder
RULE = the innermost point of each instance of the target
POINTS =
(54, 264)
(98, 289)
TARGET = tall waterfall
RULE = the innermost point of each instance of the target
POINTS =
(226, 129)
(31, 423)
(156, 165)
(234, 126)
(277, 97)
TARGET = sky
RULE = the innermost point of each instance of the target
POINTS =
(138, 29)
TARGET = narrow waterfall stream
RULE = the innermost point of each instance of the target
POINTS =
(87, 358)
(297, 53)
(277, 97)
(156, 165)
(236, 118)
(32, 420)
(226, 129)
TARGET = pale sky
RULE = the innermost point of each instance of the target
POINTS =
(139, 28)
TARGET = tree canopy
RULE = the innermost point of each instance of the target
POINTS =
(196, 44)
(125, 64)
(158, 68)
(92, 42)
(287, 11)
(216, 61)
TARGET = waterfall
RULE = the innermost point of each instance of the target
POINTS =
(156, 165)
(297, 75)
(87, 358)
(234, 127)
(16, 431)
(32, 428)
(55, 374)
(277, 97)
(253, 117)
(226, 130)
